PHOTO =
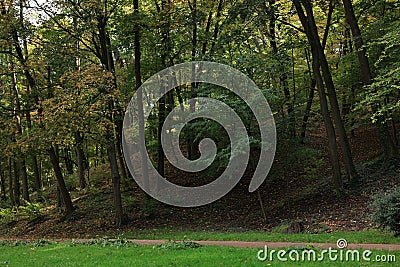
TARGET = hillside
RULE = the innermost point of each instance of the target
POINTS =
(307, 199)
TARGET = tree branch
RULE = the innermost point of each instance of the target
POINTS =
(290, 25)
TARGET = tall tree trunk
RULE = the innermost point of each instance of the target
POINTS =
(311, 94)
(65, 196)
(2, 183)
(116, 183)
(332, 145)
(139, 101)
(216, 28)
(24, 179)
(80, 159)
(165, 31)
(68, 161)
(389, 148)
(120, 157)
(191, 146)
(318, 58)
(10, 182)
(312, 35)
(161, 118)
(80, 155)
(16, 184)
(36, 173)
(35, 166)
(22, 164)
(106, 58)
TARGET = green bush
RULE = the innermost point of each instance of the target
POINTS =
(31, 211)
(72, 181)
(8, 215)
(386, 210)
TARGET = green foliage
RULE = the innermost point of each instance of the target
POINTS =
(280, 229)
(384, 91)
(72, 181)
(129, 201)
(104, 242)
(79, 104)
(29, 211)
(8, 215)
(386, 210)
(293, 158)
(149, 206)
(10, 243)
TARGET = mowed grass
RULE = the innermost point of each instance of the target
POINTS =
(65, 254)
(362, 237)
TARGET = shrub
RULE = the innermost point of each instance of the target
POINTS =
(386, 210)
(8, 215)
(31, 211)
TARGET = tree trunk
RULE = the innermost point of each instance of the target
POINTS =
(160, 152)
(2, 183)
(16, 184)
(116, 183)
(388, 146)
(165, 30)
(35, 166)
(311, 94)
(191, 146)
(80, 159)
(139, 100)
(17, 114)
(106, 58)
(309, 27)
(120, 157)
(216, 27)
(312, 34)
(10, 182)
(66, 198)
(333, 152)
(24, 179)
(58, 198)
(68, 161)
(36, 174)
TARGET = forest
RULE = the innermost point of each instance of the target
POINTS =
(329, 69)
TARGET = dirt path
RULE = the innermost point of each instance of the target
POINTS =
(260, 244)
(250, 244)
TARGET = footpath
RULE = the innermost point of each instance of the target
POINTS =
(243, 244)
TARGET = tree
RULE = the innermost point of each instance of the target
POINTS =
(93, 17)
(389, 148)
(311, 31)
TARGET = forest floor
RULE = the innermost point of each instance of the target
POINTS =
(309, 199)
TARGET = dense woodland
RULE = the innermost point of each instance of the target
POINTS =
(68, 69)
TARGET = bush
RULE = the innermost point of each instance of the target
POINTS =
(31, 211)
(8, 215)
(386, 210)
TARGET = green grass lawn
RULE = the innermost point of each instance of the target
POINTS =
(374, 236)
(67, 254)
